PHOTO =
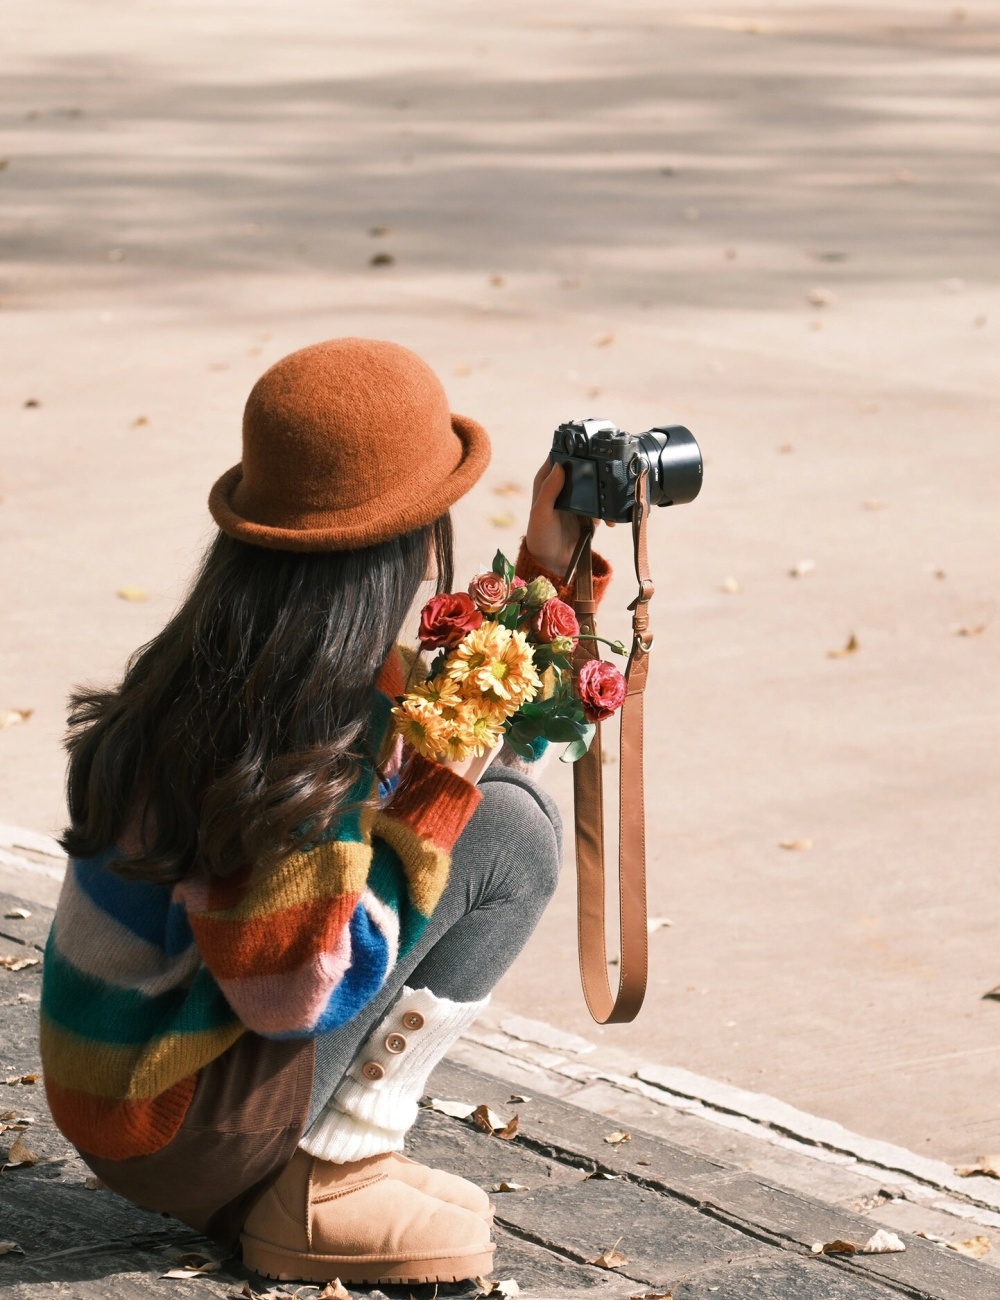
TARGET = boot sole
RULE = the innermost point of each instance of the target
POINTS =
(294, 1266)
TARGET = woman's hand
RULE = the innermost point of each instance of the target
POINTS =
(472, 769)
(552, 534)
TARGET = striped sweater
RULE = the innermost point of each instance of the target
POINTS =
(144, 984)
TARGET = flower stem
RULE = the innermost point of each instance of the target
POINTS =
(617, 646)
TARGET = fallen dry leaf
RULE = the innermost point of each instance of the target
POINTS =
(17, 914)
(654, 923)
(505, 1186)
(505, 520)
(10, 1248)
(507, 1287)
(14, 717)
(730, 586)
(601, 1176)
(821, 297)
(993, 994)
(488, 1121)
(382, 259)
(987, 1165)
(18, 963)
(509, 1130)
(379, 232)
(974, 1247)
(873, 504)
(610, 1258)
(795, 846)
(837, 1247)
(652, 1295)
(972, 629)
(497, 281)
(93, 1184)
(515, 1099)
(509, 490)
(616, 1138)
(334, 1290)
(141, 420)
(454, 1109)
(462, 371)
(192, 1264)
(882, 1243)
(132, 593)
(19, 1154)
(13, 1079)
(801, 569)
(604, 340)
(852, 647)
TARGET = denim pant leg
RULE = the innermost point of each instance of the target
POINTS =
(504, 870)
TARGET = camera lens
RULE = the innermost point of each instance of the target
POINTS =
(675, 466)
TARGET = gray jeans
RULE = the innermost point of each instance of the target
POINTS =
(504, 870)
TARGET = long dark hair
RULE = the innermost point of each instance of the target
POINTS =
(238, 730)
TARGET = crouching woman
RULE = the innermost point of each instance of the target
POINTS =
(275, 921)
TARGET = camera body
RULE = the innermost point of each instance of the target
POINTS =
(602, 463)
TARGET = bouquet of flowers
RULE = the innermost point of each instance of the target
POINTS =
(503, 669)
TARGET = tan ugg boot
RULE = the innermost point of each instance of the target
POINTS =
(353, 1221)
(435, 1182)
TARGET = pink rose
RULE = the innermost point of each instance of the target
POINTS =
(601, 689)
(516, 582)
(490, 592)
(556, 618)
(446, 619)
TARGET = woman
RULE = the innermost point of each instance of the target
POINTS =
(275, 923)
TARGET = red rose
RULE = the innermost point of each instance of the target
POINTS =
(556, 618)
(601, 689)
(490, 592)
(445, 620)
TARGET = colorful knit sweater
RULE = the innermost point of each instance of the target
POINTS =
(146, 984)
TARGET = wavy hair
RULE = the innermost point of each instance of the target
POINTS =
(241, 726)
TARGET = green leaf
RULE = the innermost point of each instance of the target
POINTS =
(574, 752)
(503, 566)
(520, 747)
(565, 729)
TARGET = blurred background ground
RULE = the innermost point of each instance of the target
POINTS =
(775, 223)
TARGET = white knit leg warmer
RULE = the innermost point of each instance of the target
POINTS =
(375, 1104)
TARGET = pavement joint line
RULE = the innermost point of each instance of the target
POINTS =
(8, 859)
(17, 837)
(765, 1118)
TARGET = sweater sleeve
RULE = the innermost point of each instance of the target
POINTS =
(527, 567)
(300, 947)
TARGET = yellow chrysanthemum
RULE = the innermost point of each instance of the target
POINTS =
(492, 706)
(419, 723)
(496, 661)
(441, 691)
(486, 729)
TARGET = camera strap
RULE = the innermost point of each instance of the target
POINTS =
(588, 795)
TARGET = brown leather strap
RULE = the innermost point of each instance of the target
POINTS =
(588, 794)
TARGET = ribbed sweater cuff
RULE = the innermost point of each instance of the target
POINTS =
(434, 802)
(527, 567)
(366, 1116)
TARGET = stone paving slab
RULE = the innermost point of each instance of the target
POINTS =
(687, 1224)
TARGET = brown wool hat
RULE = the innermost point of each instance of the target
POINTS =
(346, 444)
